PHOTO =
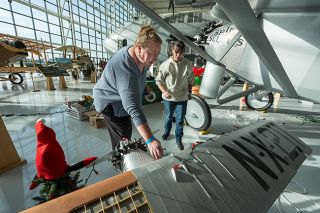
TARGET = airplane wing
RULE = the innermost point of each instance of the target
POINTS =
(242, 171)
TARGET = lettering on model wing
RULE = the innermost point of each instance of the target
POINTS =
(266, 147)
(286, 137)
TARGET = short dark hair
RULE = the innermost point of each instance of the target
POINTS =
(177, 44)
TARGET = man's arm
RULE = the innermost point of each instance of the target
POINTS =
(127, 89)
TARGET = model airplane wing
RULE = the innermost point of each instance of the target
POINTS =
(243, 171)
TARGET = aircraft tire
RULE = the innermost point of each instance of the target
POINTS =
(258, 105)
(18, 79)
(198, 114)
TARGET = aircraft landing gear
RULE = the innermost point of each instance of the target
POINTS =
(260, 101)
(198, 114)
(16, 78)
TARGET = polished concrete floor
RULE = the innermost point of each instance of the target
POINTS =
(20, 107)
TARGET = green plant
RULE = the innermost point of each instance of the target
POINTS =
(55, 188)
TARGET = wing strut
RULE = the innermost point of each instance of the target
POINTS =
(243, 17)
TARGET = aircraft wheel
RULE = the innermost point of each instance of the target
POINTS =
(198, 114)
(259, 104)
(16, 78)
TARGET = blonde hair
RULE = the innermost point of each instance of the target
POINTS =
(147, 34)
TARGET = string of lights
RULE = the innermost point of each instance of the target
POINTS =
(33, 114)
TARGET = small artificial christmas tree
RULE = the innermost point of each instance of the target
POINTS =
(55, 188)
(53, 172)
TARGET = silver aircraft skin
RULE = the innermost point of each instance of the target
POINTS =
(282, 50)
(296, 48)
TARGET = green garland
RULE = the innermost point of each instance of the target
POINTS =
(55, 188)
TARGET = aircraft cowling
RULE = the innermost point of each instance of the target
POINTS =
(219, 39)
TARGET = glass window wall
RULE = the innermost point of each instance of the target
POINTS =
(84, 23)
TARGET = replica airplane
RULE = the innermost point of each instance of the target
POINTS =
(245, 170)
(273, 45)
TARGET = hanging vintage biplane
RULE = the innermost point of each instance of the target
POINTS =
(14, 49)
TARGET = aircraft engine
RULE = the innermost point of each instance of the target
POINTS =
(130, 154)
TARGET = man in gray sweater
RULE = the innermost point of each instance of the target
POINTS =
(117, 94)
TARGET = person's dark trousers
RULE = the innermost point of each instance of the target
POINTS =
(118, 127)
(180, 109)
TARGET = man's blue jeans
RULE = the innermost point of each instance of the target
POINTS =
(179, 108)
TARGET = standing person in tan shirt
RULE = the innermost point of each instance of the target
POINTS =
(175, 79)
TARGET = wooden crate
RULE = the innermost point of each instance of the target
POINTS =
(96, 120)
(76, 111)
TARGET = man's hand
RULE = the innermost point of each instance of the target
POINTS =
(167, 95)
(155, 149)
